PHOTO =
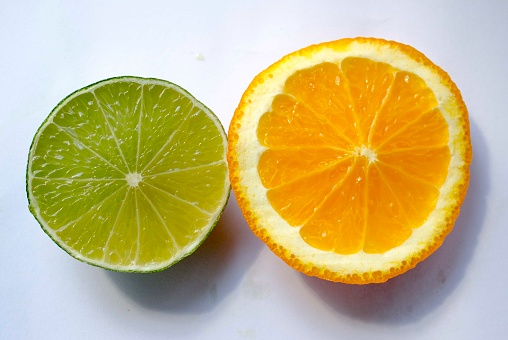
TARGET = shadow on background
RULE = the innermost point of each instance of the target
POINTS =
(413, 295)
(200, 281)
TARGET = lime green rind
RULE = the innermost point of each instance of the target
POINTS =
(186, 251)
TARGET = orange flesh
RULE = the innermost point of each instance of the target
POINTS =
(349, 157)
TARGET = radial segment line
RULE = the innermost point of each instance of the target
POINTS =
(106, 245)
(315, 171)
(380, 108)
(139, 127)
(78, 179)
(179, 199)
(403, 129)
(416, 178)
(403, 211)
(63, 129)
(62, 228)
(416, 148)
(154, 208)
(168, 141)
(307, 147)
(336, 187)
(338, 132)
(351, 105)
(138, 223)
(202, 166)
(111, 130)
(365, 203)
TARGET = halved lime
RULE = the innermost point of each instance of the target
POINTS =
(129, 174)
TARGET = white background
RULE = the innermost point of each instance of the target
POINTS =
(233, 287)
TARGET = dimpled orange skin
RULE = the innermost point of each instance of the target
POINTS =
(315, 268)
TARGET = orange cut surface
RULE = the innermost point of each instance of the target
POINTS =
(350, 159)
(368, 141)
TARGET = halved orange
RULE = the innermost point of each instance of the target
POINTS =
(350, 159)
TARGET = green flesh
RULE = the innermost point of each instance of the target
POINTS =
(129, 174)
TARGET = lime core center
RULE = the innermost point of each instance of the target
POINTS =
(133, 179)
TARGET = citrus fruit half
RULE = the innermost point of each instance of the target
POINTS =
(129, 174)
(350, 159)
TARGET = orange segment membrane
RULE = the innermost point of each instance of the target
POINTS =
(280, 166)
(291, 123)
(339, 224)
(408, 99)
(292, 199)
(368, 83)
(349, 159)
(323, 90)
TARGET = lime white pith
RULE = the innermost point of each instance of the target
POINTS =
(284, 239)
(129, 174)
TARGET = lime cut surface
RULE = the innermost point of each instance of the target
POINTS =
(129, 174)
